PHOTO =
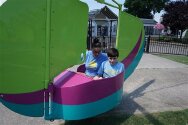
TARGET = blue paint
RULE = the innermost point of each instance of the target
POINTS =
(77, 112)
(34, 110)
(129, 70)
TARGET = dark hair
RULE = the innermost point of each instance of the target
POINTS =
(95, 40)
(113, 52)
(96, 43)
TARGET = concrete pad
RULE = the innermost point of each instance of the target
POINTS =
(149, 61)
(157, 85)
(148, 91)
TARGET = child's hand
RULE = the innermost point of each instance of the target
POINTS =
(100, 77)
(97, 78)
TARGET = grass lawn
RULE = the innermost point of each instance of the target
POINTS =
(164, 118)
(177, 58)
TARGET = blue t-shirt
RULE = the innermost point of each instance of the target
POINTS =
(107, 70)
(93, 64)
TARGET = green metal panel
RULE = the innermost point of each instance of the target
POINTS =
(38, 40)
(22, 46)
(69, 21)
(129, 29)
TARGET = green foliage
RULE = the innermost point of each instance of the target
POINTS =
(176, 16)
(143, 8)
(177, 58)
(100, 1)
(163, 118)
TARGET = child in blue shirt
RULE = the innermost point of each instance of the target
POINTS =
(94, 59)
(111, 67)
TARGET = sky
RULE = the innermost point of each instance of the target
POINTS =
(2, 1)
(94, 5)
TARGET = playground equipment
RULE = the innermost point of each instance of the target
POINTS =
(39, 40)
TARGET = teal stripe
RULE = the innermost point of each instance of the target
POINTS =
(77, 112)
(34, 110)
(129, 70)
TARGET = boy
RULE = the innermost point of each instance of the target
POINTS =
(111, 67)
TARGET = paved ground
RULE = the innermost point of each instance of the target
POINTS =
(157, 84)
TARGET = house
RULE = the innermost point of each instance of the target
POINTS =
(103, 22)
(184, 34)
(149, 26)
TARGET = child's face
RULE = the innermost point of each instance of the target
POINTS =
(112, 60)
(96, 51)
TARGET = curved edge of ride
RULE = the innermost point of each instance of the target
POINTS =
(82, 111)
(71, 111)
(31, 100)
(79, 89)
(74, 108)
(82, 108)
(25, 104)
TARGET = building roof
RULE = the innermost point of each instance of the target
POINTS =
(93, 13)
(148, 21)
(105, 11)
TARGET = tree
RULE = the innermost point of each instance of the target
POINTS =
(176, 16)
(143, 8)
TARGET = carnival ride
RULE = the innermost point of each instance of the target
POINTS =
(39, 40)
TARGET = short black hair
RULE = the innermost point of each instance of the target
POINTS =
(95, 40)
(113, 52)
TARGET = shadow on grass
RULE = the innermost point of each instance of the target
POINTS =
(106, 120)
(123, 113)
